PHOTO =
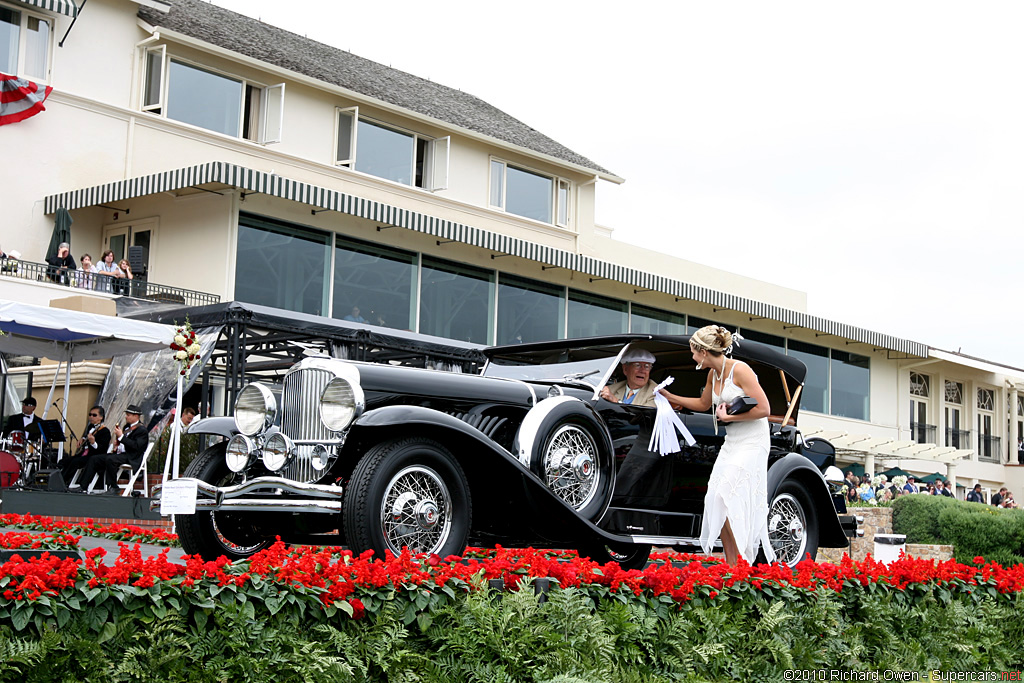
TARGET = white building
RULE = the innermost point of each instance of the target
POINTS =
(256, 165)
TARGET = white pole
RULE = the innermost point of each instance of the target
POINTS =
(176, 433)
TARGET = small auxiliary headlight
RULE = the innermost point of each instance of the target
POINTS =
(239, 451)
(320, 458)
(255, 409)
(277, 451)
(340, 403)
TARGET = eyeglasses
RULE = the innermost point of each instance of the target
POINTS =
(94, 414)
(638, 365)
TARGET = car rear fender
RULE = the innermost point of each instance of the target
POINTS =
(487, 466)
(798, 468)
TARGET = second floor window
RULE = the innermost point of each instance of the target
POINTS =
(212, 100)
(24, 44)
(389, 152)
(529, 194)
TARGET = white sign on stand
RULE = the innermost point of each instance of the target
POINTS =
(178, 497)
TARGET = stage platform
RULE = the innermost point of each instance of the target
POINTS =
(64, 506)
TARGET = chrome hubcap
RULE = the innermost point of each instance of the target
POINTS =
(786, 529)
(417, 511)
(569, 466)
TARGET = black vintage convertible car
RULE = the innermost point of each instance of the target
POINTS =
(381, 457)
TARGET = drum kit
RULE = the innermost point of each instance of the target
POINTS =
(20, 459)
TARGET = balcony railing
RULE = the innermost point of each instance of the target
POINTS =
(988, 448)
(98, 282)
(958, 438)
(922, 433)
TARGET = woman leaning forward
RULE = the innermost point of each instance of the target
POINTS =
(736, 504)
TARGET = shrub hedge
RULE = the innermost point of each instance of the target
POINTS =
(972, 529)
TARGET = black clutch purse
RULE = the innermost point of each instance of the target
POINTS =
(740, 404)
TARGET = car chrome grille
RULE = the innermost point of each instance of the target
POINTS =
(489, 425)
(300, 420)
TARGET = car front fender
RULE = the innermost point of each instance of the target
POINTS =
(797, 467)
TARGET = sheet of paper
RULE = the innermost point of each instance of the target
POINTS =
(178, 497)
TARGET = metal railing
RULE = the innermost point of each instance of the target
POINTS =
(100, 282)
(988, 448)
(922, 433)
(958, 438)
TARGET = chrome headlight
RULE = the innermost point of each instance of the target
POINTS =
(239, 452)
(834, 479)
(277, 451)
(340, 403)
(255, 409)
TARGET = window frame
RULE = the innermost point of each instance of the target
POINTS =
(561, 208)
(436, 159)
(25, 13)
(260, 132)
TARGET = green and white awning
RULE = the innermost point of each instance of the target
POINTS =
(271, 184)
(65, 7)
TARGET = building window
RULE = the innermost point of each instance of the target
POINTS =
(529, 311)
(529, 194)
(379, 281)
(25, 44)
(851, 385)
(815, 393)
(920, 391)
(652, 321)
(208, 99)
(765, 338)
(986, 400)
(389, 152)
(456, 301)
(282, 265)
(955, 436)
(591, 315)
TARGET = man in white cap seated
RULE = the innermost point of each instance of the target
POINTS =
(637, 389)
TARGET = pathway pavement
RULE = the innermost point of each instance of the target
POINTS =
(89, 542)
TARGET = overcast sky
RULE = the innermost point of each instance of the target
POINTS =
(870, 154)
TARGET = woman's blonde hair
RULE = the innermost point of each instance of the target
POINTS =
(714, 339)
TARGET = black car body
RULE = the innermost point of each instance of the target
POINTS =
(526, 454)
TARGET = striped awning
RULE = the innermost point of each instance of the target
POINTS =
(66, 7)
(320, 197)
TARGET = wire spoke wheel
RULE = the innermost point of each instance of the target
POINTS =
(416, 511)
(787, 529)
(570, 465)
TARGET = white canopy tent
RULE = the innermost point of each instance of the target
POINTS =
(71, 336)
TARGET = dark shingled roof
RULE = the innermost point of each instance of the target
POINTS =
(253, 38)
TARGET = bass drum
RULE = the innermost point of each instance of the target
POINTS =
(10, 469)
(17, 441)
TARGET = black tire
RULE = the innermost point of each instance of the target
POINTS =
(212, 534)
(792, 524)
(410, 492)
(627, 556)
(573, 459)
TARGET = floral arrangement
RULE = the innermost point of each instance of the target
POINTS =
(115, 532)
(879, 480)
(899, 481)
(186, 348)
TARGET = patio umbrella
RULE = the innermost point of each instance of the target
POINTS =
(61, 231)
(896, 472)
(20, 99)
(930, 478)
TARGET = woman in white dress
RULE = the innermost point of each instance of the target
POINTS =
(736, 504)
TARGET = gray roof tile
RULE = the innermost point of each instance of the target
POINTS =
(255, 39)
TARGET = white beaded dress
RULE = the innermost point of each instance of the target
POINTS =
(738, 487)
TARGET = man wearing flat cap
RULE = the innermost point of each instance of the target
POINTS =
(637, 389)
(25, 421)
(127, 447)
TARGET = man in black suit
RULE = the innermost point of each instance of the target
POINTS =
(128, 446)
(25, 421)
(94, 443)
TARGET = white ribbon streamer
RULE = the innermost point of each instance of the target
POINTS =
(666, 422)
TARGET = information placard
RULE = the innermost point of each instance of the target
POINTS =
(178, 497)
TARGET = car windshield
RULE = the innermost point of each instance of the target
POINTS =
(589, 371)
